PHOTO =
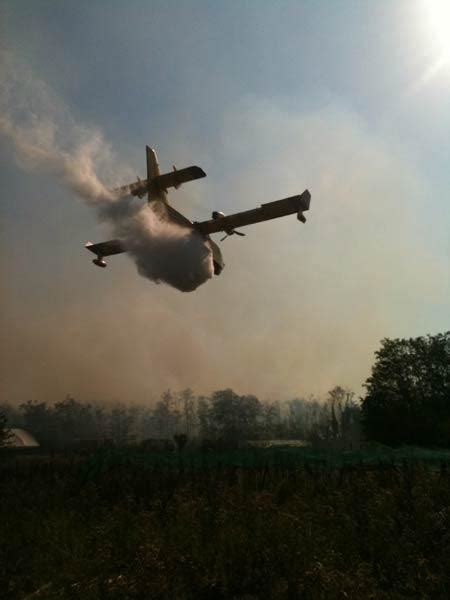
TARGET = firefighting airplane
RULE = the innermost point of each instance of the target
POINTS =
(156, 185)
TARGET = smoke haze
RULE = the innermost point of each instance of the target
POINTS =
(297, 310)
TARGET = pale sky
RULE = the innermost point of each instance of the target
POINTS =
(349, 99)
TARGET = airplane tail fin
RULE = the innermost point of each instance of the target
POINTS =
(152, 163)
(155, 191)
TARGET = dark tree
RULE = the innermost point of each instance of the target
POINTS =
(309, 419)
(74, 420)
(180, 440)
(233, 418)
(120, 423)
(4, 430)
(187, 402)
(165, 416)
(271, 426)
(203, 416)
(38, 418)
(12, 414)
(408, 393)
(344, 416)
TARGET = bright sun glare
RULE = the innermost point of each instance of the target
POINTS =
(436, 21)
(439, 16)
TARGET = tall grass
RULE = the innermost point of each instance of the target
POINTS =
(87, 527)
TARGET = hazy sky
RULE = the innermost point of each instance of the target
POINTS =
(349, 99)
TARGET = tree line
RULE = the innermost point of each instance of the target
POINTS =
(222, 419)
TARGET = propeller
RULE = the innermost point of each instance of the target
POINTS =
(233, 232)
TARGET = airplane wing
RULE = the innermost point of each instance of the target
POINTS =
(272, 210)
(105, 248)
(176, 178)
(160, 182)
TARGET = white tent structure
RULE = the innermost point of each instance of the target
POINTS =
(19, 438)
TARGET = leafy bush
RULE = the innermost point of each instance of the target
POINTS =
(408, 393)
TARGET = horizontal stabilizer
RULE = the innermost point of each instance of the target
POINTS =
(266, 212)
(105, 248)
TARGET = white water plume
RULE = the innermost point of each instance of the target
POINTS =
(162, 250)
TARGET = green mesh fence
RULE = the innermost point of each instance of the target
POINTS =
(282, 458)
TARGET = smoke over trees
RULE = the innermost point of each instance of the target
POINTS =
(223, 419)
(407, 402)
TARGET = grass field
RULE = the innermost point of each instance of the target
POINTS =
(294, 524)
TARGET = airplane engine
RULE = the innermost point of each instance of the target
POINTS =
(99, 262)
(139, 191)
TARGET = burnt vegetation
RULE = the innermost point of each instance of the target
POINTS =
(188, 500)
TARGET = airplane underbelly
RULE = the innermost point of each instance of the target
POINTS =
(217, 256)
